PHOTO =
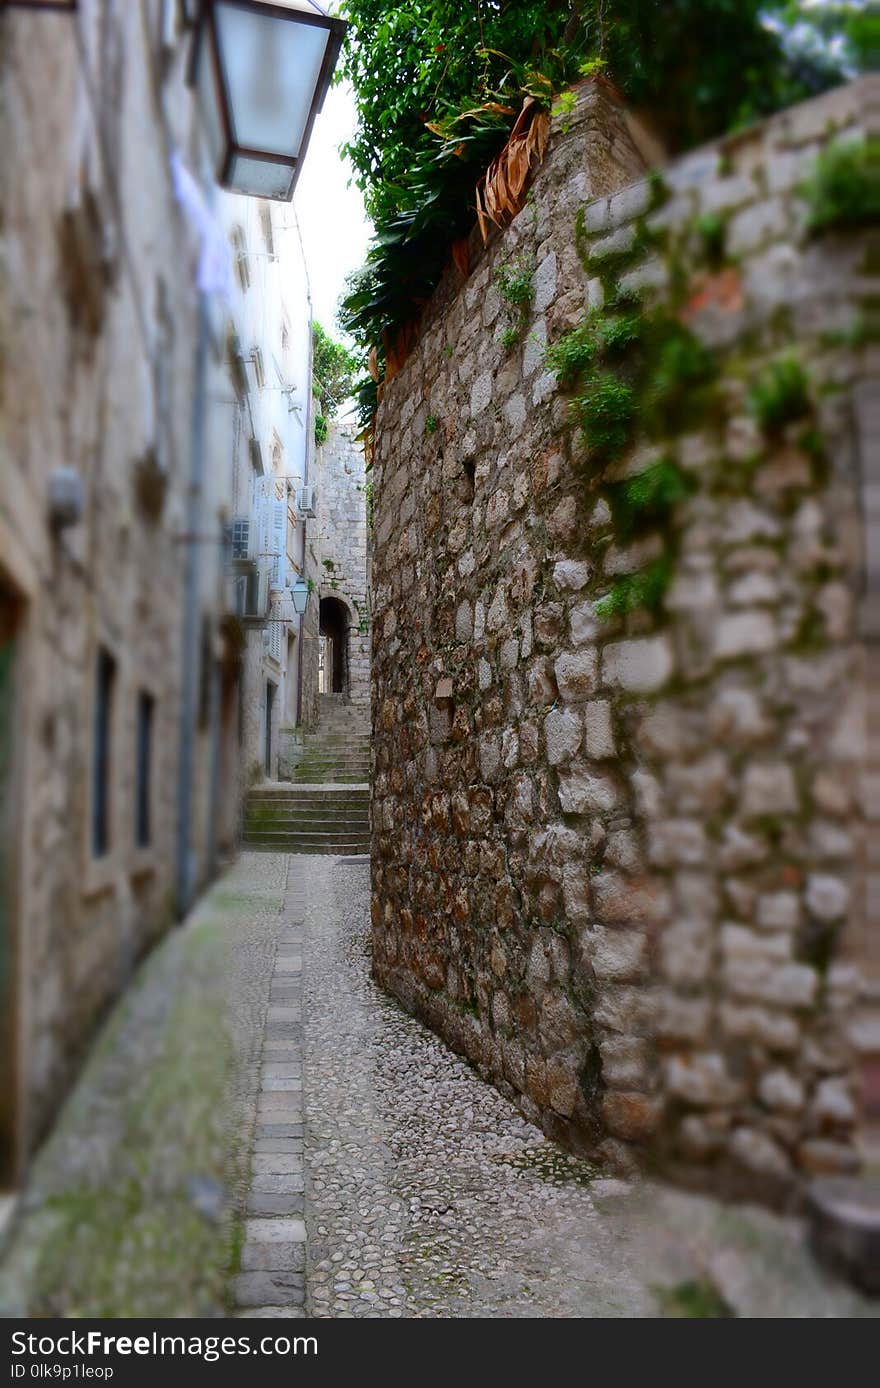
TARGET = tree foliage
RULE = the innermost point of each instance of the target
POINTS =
(438, 86)
(334, 369)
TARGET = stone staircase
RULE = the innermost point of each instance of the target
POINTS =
(325, 806)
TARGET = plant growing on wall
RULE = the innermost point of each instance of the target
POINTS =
(844, 190)
(439, 88)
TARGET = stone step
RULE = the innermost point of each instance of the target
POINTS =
(294, 822)
(336, 850)
(301, 843)
(332, 759)
(307, 816)
(345, 794)
(311, 804)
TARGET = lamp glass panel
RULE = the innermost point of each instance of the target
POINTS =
(259, 178)
(209, 102)
(272, 67)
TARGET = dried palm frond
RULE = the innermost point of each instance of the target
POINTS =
(499, 193)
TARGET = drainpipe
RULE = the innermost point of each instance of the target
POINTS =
(191, 642)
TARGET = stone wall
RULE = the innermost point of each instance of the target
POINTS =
(98, 276)
(618, 723)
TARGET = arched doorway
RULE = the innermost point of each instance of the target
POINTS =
(333, 661)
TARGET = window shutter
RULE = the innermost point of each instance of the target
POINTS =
(279, 543)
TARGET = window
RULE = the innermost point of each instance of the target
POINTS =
(105, 679)
(266, 219)
(143, 827)
(240, 255)
(259, 368)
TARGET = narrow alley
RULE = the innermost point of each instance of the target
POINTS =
(296, 1144)
(439, 652)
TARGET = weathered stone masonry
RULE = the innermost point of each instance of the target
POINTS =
(615, 856)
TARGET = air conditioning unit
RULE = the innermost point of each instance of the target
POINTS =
(306, 501)
(250, 596)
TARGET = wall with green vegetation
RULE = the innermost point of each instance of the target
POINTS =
(616, 662)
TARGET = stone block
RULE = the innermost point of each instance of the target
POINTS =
(544, 284)
(677, 842)
(588, 792)
(744, 633)
(583, 624)
(616, 956)
(781, 1091)
(768, 789)
(701, 1079)
(827, 897)
(633, 1116)
(682, 1019)
(778, 911)
(758, 1152)
(776, 1030)
(759, 980)
(619, 900)
(576, 673)
(598, 732)
(481, 393)
(638, 667)
(562, 1084)
(571, 574)
(832, 1104)
(686, 952)
(626, 1061)
(558, 1024)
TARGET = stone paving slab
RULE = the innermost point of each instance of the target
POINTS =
(273, 1257)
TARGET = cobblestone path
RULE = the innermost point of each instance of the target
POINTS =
(259, 1130)
(428, 1195)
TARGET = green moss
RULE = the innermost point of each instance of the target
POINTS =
(859, 332)
(678, 365)
(648, 498)
(509, 338)
(695, 1299)
(632, 592)
(432, 424)
(843, 192)
(711, 235)
(659, 190)
(606, 410)
(780, 394)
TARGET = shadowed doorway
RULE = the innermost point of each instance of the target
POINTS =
(333, 674)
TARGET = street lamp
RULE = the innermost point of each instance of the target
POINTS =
(299, 596)
(261, 72)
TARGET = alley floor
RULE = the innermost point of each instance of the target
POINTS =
(260, 1131)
